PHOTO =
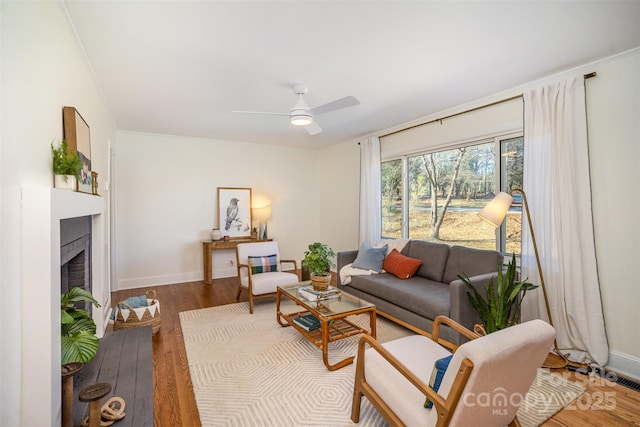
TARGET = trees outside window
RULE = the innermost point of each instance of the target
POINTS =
(441, 192)
(392, 187)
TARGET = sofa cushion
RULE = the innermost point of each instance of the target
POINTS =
(370, 258)
(400, 266)
(470, 262)
(422, 296)
(433, 256)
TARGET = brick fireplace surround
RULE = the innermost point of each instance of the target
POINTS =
(42, 210)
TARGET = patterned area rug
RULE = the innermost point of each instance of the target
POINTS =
(248, 371)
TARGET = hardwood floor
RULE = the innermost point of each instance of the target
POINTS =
(603, 404)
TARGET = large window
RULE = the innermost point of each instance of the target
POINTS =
(436, 195)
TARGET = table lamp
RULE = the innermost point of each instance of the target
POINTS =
(262, 215)
(494, 213)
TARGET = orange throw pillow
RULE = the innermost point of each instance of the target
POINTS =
(401, 266)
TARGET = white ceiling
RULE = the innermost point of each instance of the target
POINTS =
(180, 67)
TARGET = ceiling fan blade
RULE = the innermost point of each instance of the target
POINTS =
(313, 128)
(347, 101)
(260, 112)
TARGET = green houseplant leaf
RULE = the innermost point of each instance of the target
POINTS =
(79, 342)
(82, 347)
(318, 258)
(501, 303)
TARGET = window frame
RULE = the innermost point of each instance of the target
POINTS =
(499, 177)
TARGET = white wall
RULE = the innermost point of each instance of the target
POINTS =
(613, 104)
(340, 189)
(42, 70)
(500, 119)
(613, 109)
(166, 189)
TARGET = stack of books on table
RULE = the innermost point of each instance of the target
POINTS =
(308, 322)
(310, 294)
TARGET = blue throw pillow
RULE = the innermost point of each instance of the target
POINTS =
(439, 368)
(370, 258)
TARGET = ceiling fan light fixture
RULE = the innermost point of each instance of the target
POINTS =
(301, 119)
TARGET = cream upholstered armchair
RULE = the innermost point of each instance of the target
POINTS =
(260, 270)
(484, 384)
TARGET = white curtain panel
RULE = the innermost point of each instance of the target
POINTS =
(557, 184)
(370, 198)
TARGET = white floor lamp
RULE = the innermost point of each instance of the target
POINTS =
(494, 213)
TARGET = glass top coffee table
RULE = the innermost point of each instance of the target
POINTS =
(332, 313)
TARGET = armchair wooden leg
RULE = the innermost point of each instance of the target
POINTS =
(355, 406)
(250, 303)
(357, 384)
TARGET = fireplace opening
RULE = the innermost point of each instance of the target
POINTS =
(75, 256)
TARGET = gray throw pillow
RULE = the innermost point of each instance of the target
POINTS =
(370, 258)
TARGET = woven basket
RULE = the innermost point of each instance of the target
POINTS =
(127, 318)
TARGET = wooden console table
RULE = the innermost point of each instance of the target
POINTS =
(208, 246)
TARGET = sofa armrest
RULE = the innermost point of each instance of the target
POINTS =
(344, 258)
(461, 309)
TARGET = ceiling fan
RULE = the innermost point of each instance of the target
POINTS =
(302, 115)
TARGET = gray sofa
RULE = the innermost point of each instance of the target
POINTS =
(435, 288)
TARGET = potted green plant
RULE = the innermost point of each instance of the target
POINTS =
(79, 342)
(500, 306)
(318, 258)
(66, 166)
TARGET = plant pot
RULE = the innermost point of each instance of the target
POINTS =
(320, 283)
(65, 182)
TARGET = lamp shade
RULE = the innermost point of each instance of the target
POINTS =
(262, 213)
(495, 211)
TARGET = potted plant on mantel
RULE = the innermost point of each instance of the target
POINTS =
(318, 258)
(500, 306)
(66, 166)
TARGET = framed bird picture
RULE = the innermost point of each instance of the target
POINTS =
(234, 212)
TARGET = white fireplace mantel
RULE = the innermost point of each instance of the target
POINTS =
(42, 210)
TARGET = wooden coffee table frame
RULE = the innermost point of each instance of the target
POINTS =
(333, 327)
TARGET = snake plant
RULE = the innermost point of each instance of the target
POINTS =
(499, 307)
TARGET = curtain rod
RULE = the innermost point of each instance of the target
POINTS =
(586, 76)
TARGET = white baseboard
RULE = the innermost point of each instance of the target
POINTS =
(169, 279)
(624, 364)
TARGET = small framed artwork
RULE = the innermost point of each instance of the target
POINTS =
(234, 212)
(76, 133)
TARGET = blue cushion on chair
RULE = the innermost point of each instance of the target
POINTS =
(370, 258)
(439, 368)
(263, 264)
